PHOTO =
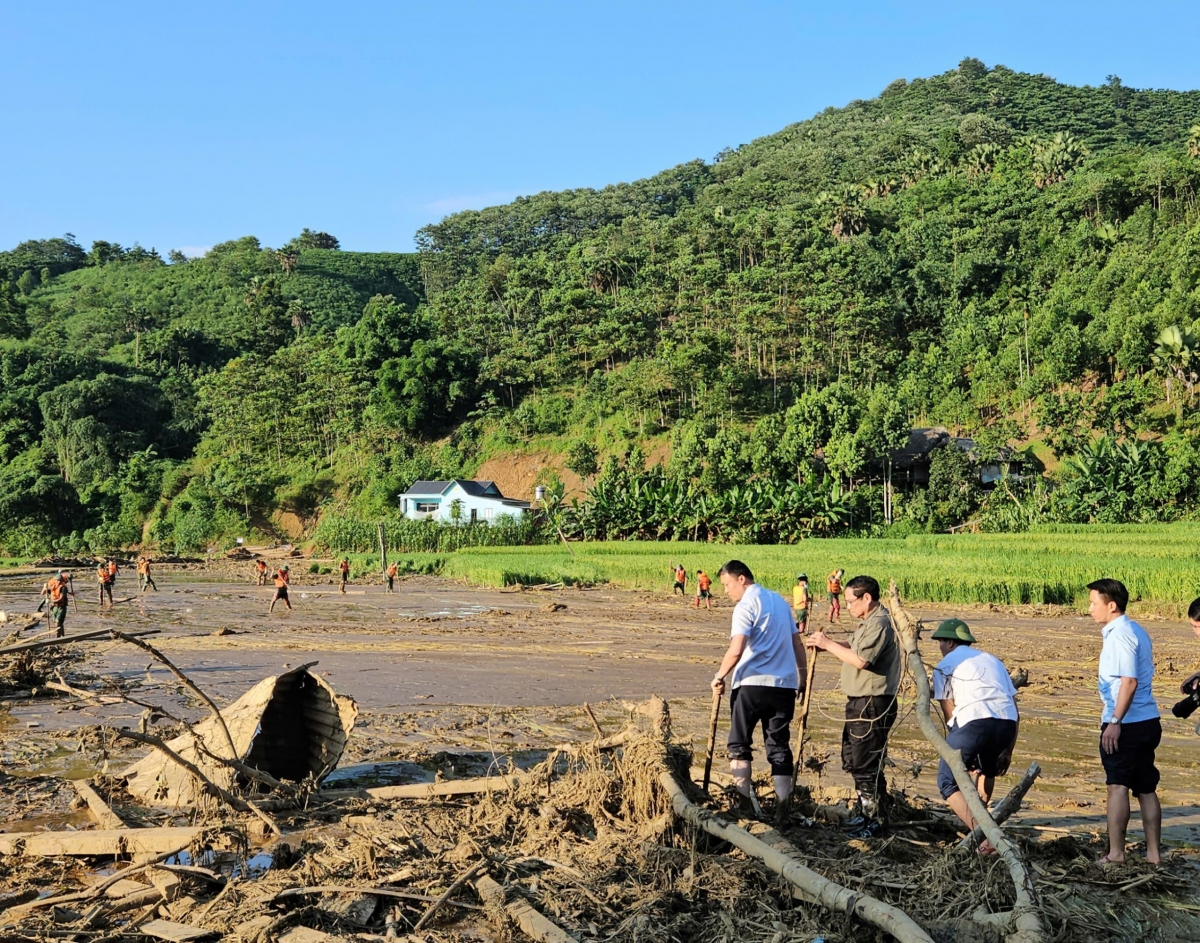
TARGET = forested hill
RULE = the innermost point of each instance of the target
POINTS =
(987, 250)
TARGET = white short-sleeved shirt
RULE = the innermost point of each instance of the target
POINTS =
(1127, 653)
(769, 660)
(978, 683)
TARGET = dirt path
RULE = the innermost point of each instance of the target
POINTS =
(443, 666)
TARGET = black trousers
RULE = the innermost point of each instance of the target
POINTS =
(869, 719)
(752, 705)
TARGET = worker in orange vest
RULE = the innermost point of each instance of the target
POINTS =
(834, 584)
(56, 591)
(282, 579)
(144, 578)
(260, 572)
(391, 577)
(703, 589)
(104, 576)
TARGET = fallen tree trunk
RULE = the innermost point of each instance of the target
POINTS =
(820, 890)
(1026, 913)
(1007, 806)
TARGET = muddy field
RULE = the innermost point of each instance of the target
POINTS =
(452, 679)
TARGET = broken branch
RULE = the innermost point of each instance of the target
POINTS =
(236, 802)
(1026, 911)
(1006, 807)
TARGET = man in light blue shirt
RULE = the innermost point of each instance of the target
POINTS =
(1130, 730)
(764, 664)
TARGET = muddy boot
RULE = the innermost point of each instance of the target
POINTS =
(871, 823)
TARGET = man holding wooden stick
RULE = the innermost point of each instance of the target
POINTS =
(870, 681)
(764, 662)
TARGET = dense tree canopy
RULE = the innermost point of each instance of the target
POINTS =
(987, 250)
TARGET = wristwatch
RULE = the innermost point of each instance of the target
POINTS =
(1115, 720)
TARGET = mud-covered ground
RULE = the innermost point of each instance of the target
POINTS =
(441, 667)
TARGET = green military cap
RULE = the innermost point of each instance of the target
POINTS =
(955, 630)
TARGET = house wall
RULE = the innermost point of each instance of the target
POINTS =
(481, 507)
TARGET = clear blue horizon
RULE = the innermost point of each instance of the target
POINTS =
(180, 127)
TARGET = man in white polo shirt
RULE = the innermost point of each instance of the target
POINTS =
(979, 701)
(1130, 729)
(764, 663)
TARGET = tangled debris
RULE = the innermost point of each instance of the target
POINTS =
(607, 840)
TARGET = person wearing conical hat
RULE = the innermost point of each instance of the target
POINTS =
(979, 701)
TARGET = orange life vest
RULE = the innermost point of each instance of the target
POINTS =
(103, 575)
(112, 568)
(55, 588)
(393, 570)
(261, 565)
(834, 584)
(703, 581)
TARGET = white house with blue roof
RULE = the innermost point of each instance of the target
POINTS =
(481, 502)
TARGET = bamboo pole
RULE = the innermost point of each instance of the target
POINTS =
(1026, 912)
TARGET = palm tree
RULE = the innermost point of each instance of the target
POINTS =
(1193, 141)
(1054, 159)
(288, 260)
(1176, 359)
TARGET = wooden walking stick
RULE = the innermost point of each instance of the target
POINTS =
(74, 598)
(712, 737)
(802, 724)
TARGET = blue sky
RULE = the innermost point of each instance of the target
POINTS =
(181, 125)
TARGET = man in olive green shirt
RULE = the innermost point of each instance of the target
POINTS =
(870, 681)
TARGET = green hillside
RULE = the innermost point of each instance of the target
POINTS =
(987, 250)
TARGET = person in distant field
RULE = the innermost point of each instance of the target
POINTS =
(344, 569)
(980, 705)
(144, 578)
(833, 583)
(801, 602)
(282, 579)
(104, 578)
(703, 589)
(56, 591)
(870, 681)
(765, 664)
(260, 572)
(1130, 729)
(680, 580)
(392, 570)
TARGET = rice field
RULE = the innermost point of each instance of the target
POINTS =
(1158, 563)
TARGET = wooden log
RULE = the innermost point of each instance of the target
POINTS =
(36, 644)
(98, 809)
(1007, 806)
(1026, 912)
(176, 932)
(820, 890)
(374, 891)
(531, 921)
(108, 841)
(453, 787)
